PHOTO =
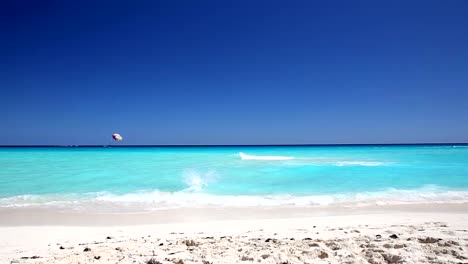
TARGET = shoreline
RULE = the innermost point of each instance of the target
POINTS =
(51, 216)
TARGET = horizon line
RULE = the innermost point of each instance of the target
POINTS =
(241, 145)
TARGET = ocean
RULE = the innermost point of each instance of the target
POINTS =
(153, 178)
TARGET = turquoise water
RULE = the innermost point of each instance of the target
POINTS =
(160, 177)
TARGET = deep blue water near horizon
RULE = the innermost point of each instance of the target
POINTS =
(161, 177)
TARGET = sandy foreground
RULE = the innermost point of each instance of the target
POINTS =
(405, 234)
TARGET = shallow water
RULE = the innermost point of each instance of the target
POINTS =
(161, 177)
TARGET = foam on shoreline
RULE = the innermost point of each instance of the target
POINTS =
(154, 200)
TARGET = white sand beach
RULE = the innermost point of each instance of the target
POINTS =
(431, 233)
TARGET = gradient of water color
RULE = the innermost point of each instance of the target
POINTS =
(151, 178)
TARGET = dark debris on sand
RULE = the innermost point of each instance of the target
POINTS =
(153, 261)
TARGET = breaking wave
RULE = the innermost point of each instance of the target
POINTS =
(252, 157)
(196, 180)
(359, 163)
(313, 161)
(155, 200)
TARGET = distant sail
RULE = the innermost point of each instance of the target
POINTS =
(117, 137)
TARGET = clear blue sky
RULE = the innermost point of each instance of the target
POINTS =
(233, 72)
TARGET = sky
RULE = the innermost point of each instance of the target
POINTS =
(233, 72)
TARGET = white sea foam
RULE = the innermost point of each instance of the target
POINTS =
(154, 200)
(313, 161)
(359, 163)
(197, 180)
(335, 162)
(252, 157)
(428, 194)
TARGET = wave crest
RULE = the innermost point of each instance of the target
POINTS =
(252, 157)
(154, 200)
(196, 180)
(313, 161)
(359, 163)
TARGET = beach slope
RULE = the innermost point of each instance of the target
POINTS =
(371, 237)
